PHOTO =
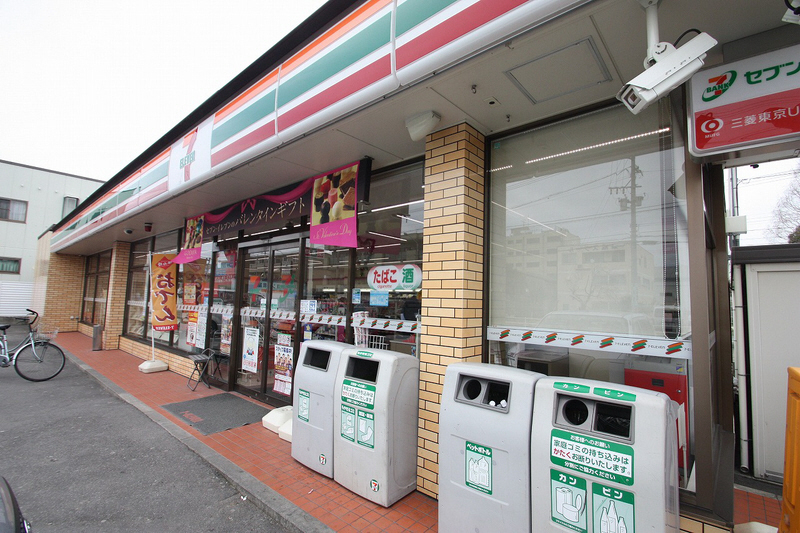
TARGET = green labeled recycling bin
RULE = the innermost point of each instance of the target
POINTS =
(375, 424)
(314, 384)
(484, 448)
(603, 458)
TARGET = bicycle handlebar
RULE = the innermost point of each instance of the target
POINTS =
(35, 318)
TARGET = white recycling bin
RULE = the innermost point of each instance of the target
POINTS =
(603, 458)
(375, 420)
(312, 398)
(484, 448)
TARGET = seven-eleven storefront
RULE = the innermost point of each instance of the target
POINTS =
(453, 180)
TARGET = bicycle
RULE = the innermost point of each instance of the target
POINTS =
(33, 359)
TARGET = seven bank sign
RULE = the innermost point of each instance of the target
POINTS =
(748, 103)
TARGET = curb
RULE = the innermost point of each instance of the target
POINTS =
(285, 513)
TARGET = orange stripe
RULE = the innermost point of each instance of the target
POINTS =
(323, 41)
(246, 96)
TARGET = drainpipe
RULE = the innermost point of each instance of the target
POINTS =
(741, 373)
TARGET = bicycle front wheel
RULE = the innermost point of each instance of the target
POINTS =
(39, 362)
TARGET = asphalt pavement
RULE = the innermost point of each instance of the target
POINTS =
(79, 458)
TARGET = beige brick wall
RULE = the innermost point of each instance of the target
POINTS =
(117, 288)
(63, 291)
(178, 364)
(452, 281)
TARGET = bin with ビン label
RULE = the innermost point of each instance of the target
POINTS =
(603, 458)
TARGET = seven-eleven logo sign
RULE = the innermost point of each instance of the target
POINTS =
(322, 459)
(373, 485)
(718, 85)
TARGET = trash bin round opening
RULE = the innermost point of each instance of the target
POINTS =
(472, 389)
(576, 412)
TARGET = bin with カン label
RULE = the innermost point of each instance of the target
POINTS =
(375, 421)
(484, 448)
(313, 401)
(603, 458)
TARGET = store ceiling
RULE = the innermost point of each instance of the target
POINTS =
(579, 59)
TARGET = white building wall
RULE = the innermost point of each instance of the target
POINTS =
(44, 191)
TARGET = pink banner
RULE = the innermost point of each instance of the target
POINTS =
(333, 216)
(192, 242)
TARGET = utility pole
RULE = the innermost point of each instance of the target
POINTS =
(632, 202)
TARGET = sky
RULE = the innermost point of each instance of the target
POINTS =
(88, 85)
(760, 190)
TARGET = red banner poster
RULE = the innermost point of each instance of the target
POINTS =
(163, 289)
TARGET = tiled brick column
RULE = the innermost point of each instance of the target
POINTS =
(63, 291)
(117, 286)
(452, 286)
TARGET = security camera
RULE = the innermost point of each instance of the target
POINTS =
(669, 68)
(128, 231)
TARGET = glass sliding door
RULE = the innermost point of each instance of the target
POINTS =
(222, 308)
(264, 363)
(253, 300)
(282, 324)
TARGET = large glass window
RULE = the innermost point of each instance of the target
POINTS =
(388, 270)
(588, 254)
(327, 282)
(95, 288)
(138, 309)
(193, 290)
(136, 303)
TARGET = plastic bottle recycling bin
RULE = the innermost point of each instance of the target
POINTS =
(484, 448)
(313, 400)
(603, 458)
(375, 420)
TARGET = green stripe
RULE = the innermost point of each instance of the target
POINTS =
(154, 175)
(413, 12)
(359, 46)
(127, 193)
(244, 118)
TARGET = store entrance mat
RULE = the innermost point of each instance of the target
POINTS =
(216, 413)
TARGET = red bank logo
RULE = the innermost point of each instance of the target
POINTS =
(711, 126)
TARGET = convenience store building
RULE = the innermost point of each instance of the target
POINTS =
(454, 179)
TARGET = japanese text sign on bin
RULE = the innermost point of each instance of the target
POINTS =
(603, 458)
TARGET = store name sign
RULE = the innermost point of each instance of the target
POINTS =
(753, 102)
(394, 277)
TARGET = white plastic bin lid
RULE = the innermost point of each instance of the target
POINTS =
(276, 418)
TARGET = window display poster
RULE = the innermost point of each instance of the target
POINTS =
(379, 299)
(227, 331)
(333, 215)
(308, 306)
(193, 240)
(200, 335)
(283, 369)
(250, 350)
(194, 275)
(191, 328)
